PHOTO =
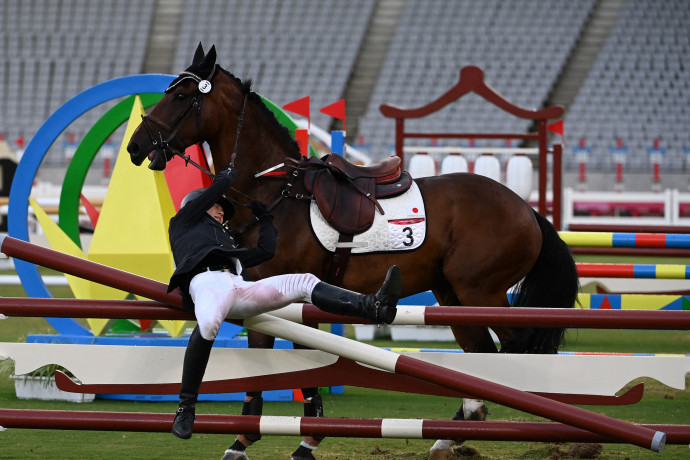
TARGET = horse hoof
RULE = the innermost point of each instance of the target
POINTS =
(479, 414)
(231, 454)
(474, 409)
(438, 454)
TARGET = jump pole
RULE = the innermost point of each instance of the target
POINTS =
(648, 252)
(407, 315)
(319, 426)
(629, 228)
(649, 271)
(626, 240)
(366, 354)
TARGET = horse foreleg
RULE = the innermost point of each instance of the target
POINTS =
(253, 402)
(313, 407)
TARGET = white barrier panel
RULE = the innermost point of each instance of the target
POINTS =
(422, 165)
(454, 163)
(678, 198)
(519, 175)
(488, 165)
(603, 375)
(669, 200)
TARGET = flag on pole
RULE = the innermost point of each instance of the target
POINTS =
(300, 107)
(302, 139)
(336, 110)
(557, 128)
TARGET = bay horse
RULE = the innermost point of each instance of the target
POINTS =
(481, 239)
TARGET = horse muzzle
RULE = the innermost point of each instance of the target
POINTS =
(157, 158)
(135, 153)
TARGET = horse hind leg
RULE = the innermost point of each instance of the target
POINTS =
(313, 407)
(476, 339)
(470, 409)
(253, 403)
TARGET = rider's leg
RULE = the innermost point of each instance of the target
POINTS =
(208, 309)
(278, 291)
(193, 369)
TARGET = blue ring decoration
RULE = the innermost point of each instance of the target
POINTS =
(20, 191)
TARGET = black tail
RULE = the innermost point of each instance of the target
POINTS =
(552, 283)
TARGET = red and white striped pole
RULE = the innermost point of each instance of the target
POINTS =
(319, 426)
(407, 314)
(363, 353)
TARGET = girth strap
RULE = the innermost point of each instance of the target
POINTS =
(341, 257)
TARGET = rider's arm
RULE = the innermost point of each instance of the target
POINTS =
(196, 208)
(268, 236)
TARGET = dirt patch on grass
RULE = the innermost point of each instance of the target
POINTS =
(558, 451)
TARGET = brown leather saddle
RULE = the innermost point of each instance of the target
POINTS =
(347, 195)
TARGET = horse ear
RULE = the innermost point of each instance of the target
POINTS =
(206, 66)
(198, 54)
(210, 59)
(211, 56)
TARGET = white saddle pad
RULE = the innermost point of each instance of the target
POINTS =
(401, 228)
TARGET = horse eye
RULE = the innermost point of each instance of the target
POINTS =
(180, 96)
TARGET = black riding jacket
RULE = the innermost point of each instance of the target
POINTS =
(197, 240)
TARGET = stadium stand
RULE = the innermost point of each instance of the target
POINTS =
(290, 48)
(51, 51)
(638, 89)
(522, 45)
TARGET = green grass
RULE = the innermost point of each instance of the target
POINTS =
(660, 404)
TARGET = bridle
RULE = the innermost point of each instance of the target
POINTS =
(163, 145)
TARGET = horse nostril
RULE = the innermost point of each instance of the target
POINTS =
(133, 148)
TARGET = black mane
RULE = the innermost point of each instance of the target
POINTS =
(246, 88)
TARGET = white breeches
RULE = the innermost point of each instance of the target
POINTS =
(219, 295)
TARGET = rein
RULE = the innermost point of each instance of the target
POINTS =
(285, 193)
(239, 128)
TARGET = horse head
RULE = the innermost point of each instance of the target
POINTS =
(188, 113)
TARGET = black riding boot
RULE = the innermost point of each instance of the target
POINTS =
(193, 369)
(378, 308)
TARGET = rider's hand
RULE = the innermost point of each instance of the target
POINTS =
(231, 172)
(259, 209)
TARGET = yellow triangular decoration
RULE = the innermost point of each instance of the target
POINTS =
(132, 233)
(59, 241)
